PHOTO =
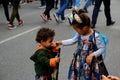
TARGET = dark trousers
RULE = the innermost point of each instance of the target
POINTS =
(97, 8)
(56, 4)
(15, 13)
(49, 6)
(5, 6)
(42, 2)
(70, 4)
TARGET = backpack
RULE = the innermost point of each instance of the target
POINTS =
(101, 35)
(105, 40)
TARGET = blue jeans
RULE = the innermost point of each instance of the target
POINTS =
(87, 4)
(77, 3)
(63, 6)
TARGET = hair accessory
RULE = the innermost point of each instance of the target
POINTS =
(77, 18)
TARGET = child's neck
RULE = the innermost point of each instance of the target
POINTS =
(90, 31)
(40, 47)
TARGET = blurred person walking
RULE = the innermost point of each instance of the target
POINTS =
(15, 14)
(56, 4)
(106, 11)
(46, 14)
(42, 4)
(5, 4)
(60, 12)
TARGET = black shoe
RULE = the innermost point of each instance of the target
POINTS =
(93, 26)
(110, 23)
(86, 11)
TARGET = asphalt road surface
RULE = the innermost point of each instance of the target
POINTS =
(16, 46)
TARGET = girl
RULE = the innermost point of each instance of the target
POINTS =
(86, 48)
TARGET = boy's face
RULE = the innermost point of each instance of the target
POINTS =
(48, 43)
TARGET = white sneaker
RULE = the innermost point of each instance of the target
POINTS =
(41, 7)
(56, 17)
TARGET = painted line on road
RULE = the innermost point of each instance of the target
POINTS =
(30, 30)
(15, 36)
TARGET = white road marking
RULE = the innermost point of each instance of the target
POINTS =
(30, 30)
(15, 36)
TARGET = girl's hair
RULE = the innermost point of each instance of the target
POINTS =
(81, 19)
(44, 34)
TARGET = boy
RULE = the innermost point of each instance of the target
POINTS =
(44, 57)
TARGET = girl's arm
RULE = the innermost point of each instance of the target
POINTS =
(100, 45)
(70, 41)
(101, 48)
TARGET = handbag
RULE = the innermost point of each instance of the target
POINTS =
(101, 65)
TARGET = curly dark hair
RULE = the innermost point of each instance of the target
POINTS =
(84, 17)
(44, 34)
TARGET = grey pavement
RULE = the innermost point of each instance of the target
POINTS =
(16, 46)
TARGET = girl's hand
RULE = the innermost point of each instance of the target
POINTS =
(58, 43)
(111, 77)
(89, 58)
(55, 47)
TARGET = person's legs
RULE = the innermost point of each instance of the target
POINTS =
(73, 1)
(93, 2)
(56, 4)
(88, 3)
(5, 6)
(62, 9)
(95, 12)
(49, 6)
(107, 12)
(42, 2)
(77, 3)
(15, 13)
(69, 4)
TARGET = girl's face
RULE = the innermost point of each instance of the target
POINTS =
(48, 43)
(81, 31)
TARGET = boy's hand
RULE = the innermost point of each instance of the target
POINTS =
(89, 58)
(54, 61)
(58, 60)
